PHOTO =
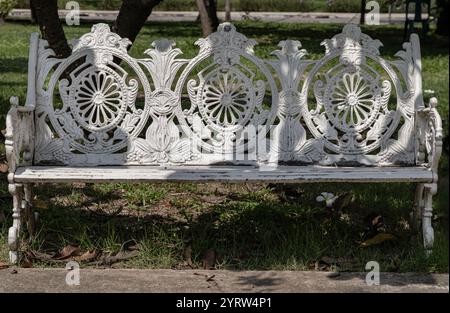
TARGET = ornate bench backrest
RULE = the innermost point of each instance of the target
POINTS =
(226, 104)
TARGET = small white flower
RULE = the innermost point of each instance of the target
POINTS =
(328, 197)
(429, 92)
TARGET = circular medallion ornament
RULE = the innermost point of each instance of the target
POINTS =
(351, 101)
(97, 99)
(227, 99)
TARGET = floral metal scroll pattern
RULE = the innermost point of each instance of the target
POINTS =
(99, 121)
(98, 113)
(226, 98)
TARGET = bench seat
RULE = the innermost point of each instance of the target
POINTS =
(234, 173)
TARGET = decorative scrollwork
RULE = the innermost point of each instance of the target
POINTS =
(226, 98)
(352, 112)
(97, 113)
(101, 37)
(352, 101)
(163, 141)
(429, 135)
(352, 45)
(349, 106)
(98, 98)
(226, 38)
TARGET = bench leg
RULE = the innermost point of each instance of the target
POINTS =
(416, 214)
(16, 191)
(27, 209)
(429, 191)
(422, 213)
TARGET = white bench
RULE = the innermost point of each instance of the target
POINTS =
(224, 115)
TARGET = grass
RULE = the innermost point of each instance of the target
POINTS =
(250, 226)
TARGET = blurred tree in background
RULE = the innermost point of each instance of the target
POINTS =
(5, 7)
(443, 17)
(207, 10)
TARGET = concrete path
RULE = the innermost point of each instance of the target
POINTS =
(131, 280)
(189, 16)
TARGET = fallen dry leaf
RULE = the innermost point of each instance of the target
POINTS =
(343, 201)
(120, 256)
(374, 225)
(3, 168)
(38, 203)
(36, 255)
(68, 251)
(377, 239)
(377, 219)
(3, 265)
(320, 266)
(87, 256)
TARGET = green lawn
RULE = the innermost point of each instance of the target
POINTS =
(250, 226)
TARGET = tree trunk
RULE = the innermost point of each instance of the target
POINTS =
(132, 16)
(211, 6)
(362, 19)
(443, 18)
(46, 15)
(208, 16)
(228, 10)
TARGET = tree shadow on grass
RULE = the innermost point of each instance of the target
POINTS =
(248, 230)
(14, 65)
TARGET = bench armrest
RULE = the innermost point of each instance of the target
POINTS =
(429, 135)
(19, 136)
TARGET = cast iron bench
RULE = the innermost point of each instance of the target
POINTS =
(225, 115)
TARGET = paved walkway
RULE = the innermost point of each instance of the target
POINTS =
(189, 16)
(131, 280)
